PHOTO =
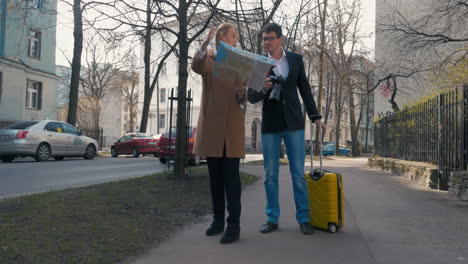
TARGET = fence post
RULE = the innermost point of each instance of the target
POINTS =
(465, 126)
(439, 138)
(101, 132)
(405, 134)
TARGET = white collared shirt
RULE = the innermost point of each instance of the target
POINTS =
(282, 67)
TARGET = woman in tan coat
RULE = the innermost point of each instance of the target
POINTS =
(220, 134)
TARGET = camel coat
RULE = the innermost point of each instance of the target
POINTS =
(221, 119)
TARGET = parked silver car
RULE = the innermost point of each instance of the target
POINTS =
(43, 139)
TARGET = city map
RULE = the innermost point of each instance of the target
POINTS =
(236, 64)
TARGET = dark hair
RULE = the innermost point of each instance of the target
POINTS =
(273, 27)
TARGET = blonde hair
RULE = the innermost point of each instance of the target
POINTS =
(223, 29)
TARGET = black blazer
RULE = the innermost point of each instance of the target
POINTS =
(287, 114)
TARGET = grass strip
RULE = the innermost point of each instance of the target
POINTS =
(105, 223)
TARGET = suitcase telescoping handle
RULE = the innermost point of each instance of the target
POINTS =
(312, 148)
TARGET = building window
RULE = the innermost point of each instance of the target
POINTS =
(35, 3)
(34, 46)
(162, 95)
(162, 120)
(34, 95)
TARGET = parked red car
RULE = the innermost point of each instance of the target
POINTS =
(165, 153)
(135, 144)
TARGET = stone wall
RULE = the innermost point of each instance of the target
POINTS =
(458, 185)
(424, 173)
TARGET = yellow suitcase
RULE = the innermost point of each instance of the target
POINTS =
(326, 200)
(326, 195)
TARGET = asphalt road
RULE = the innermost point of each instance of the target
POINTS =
(26, 176)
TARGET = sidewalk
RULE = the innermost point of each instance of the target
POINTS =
(387, 220)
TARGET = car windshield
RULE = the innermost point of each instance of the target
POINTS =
(21, 125)
(141, 135)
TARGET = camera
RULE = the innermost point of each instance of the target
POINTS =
(278, 82)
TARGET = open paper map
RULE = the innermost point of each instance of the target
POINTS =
(232, 64)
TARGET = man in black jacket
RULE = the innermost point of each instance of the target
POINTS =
(282, 119)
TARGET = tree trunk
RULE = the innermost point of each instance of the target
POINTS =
(322, 68)
(339, 95)
(96, 113)
(352, 119)
(392, 98)
(76, 62)
(366, 150)
(181, 140)
(132, 107)
(157, 107)
(147, 61)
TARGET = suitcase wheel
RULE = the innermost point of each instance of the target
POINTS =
(332, 228)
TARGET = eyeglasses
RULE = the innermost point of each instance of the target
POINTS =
(269, 39)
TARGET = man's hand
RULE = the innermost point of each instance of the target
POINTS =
(320, 123)
(267, 85)
(208, 38)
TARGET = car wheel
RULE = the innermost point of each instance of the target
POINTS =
(58, 158)
(195, 161)
(90, 152)
(114, 153)
(349, 154)
(135, 154)
(42, 152)
(155, 155)
(162, 160)
(7, 159)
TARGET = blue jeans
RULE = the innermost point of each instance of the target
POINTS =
(295, 149)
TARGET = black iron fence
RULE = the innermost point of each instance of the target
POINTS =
(434, 131)
(97, 134)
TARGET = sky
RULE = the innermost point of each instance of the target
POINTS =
(64, 48)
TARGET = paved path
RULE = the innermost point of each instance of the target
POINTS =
(388, 219)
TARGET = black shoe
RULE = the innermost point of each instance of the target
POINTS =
(214, 229)
(268, 227)
(230, 235)
(306, 229)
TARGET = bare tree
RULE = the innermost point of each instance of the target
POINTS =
(190, 27)
(142, 20)
(346, 18)
(442, 24)
(103, 62)
(422, 40)
(79, 7)
(129, 85)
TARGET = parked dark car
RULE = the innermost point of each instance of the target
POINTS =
(135, 144)
(167, 146)
(329, 149)
(308, 146)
